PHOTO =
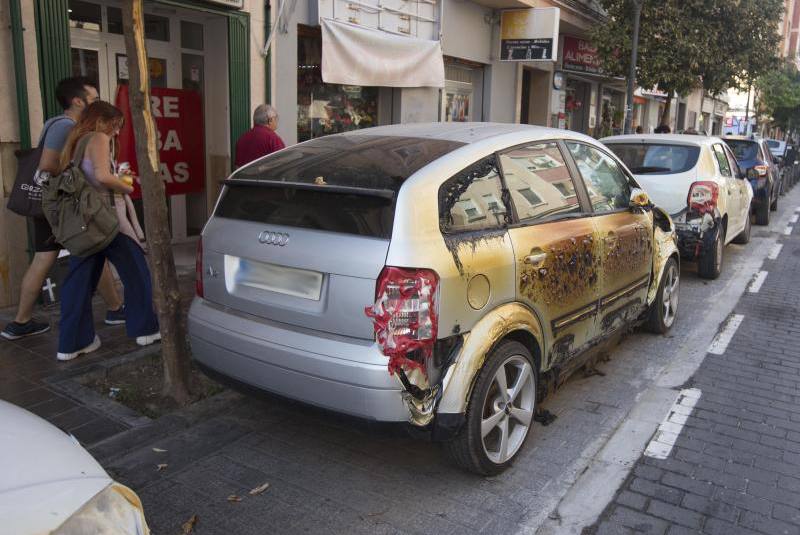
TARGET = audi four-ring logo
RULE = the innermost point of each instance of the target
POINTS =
(273, 238)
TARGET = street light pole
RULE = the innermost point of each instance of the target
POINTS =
(637, 11)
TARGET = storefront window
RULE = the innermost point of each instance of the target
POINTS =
(460, 101)
(322, 108)
(85, 63)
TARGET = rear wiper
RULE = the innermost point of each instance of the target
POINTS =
(368, 192)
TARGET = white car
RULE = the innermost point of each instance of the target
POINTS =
(50, 484)
(777, 147)
(698, 181)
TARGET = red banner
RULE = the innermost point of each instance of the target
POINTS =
(580, 55)
(181, 143)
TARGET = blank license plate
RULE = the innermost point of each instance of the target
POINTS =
(243, 273)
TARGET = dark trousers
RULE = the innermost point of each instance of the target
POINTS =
(76, 329)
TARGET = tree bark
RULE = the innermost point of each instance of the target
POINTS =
(665, 114)
(174, 349)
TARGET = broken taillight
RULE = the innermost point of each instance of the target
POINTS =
(761, 170)
(198, 269)
(703, 197)
(404, 315)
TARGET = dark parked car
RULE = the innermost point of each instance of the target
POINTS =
(755, 157)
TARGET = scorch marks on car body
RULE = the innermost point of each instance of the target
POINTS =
(570, 267)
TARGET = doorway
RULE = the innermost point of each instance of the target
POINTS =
(180, 56)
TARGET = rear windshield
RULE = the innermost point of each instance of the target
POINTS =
(656, 159)
(344, 184)
(771, 143)
(743, 149)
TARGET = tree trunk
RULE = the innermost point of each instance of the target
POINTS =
(174, 349)
(665, 114)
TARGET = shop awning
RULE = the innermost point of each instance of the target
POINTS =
(355, 55)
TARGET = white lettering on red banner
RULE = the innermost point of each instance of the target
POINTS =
(178, 115)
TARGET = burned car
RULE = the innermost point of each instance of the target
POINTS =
(445, 275)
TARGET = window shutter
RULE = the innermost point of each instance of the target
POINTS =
(52, 35)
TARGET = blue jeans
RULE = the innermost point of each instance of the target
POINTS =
(76, 329)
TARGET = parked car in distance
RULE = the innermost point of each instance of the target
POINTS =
(50, 484)
(697, 180)
(754, 157)
(444, 275)
(777, 148)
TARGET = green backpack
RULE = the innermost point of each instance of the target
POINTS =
(81, 217)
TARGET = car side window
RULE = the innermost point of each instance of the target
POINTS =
(473, 199)
(722, 160)
(608, 187)
(539, 182)
(735, 169)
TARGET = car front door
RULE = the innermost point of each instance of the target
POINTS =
(731, 192)
(745, 195)
(556, 248)
(626, 238)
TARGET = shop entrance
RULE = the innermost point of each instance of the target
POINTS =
(179, 58)
(535, 99)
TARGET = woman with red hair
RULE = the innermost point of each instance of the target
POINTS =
(89, 146)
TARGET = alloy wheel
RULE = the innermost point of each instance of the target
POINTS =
(508, 409)
(669, 297)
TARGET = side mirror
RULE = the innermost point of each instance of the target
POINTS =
(640, 200)
(752, 174)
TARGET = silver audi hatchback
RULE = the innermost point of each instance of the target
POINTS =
(445, 275)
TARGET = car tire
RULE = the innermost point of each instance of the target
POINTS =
(482, 452)
(709, 265)
(744, 236)
(664, 309)
(762, 214)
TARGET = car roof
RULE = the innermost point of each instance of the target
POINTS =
(678, 139)
(468, 132)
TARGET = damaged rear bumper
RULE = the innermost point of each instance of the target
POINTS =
(696, 234)
(336, 373)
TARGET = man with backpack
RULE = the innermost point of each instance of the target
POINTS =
(74, 95)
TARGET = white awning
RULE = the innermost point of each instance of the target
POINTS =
(355, 55)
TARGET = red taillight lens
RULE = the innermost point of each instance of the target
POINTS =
(404, 314)
(703, 197)
(198, 269)
(761, 170)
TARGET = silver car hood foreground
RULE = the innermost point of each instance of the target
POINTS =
(45, 475)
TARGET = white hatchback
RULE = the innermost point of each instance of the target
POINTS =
(50, 484)
(698, 181)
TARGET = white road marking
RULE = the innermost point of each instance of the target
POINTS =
(794, 218)
(670, 429)
(787, 230)
(775, 251)
(797, 209)
(723, 338)
(758, 281)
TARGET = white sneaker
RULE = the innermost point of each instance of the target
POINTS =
(149, 339)
(88, 349)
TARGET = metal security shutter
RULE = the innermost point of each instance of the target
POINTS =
(239, 76)
(52, 36)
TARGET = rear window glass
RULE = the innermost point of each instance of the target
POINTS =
(345, 184)
(656, 159)
(743, 149)
(771, 143)
(363, 215)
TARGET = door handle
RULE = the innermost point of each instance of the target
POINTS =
(611, 238)
(535, 259)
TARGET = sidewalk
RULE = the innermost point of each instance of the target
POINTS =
(29, 369)
(734, 467)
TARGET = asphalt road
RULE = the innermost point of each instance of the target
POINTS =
(330, 474)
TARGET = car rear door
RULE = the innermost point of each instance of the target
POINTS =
(731, 192)
(555, 245)
(745, 190)
(626, 237)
